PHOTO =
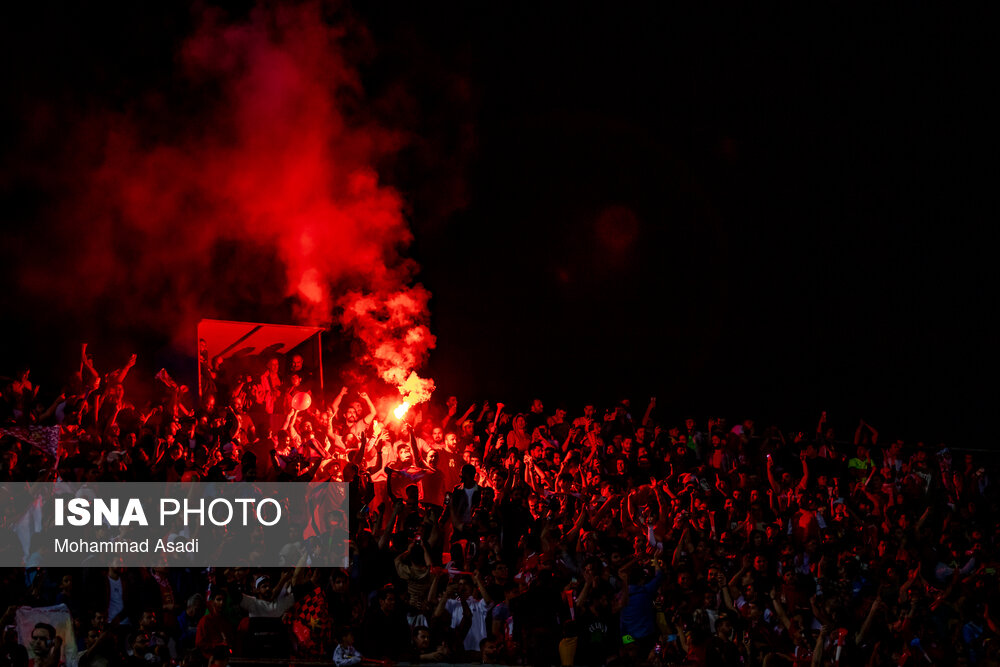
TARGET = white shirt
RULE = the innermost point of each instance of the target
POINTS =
(256, 607)
(345, 656)
(477, 632)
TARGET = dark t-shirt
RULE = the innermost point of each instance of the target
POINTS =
(451, 465)
(598, 638)
(560, 431)
(385, 636)
(534, 420)
(515, 520)
(538, 609)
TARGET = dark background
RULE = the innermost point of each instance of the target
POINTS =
(761, 213)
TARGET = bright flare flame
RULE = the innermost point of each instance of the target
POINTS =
(401, 409)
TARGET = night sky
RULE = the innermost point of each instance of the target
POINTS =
(762, 213)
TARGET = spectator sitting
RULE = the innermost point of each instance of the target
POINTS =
(346, 654)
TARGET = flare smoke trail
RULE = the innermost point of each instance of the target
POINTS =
(253, 178)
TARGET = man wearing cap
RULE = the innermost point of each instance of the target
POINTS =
(260, 605)
(263, 624)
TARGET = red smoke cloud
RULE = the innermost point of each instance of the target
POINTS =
(253, 178)
(390, 326)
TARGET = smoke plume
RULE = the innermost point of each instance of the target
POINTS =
(250, 180)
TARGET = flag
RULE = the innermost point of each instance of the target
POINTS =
(44, 438)
(58, 617)
(310, 624)
(322, 499)
(164, 377)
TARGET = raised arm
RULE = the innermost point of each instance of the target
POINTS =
(779, 609)
(734, 581)
(991, 622)
(370, 417)
(593, 454)
(821, 424)
(388, 485)
(872, 430)
(804, 482)
(119, 375)
(331, 434)
(621, 600)
(299, 575)
(727, 598)
(647, 417)
(277, 461)
(492, 428)
(770, 475)
(482, 587)
(869, 619)
(483, 411)
(86, 365)
(817, 657)
(533, 476)
(452, 409)
(679, 549)
(467, 413)
(449, 591)
(568, 460)
(289, 424)
(578, 524)
(922, 521)
(335, 405)
(378, 456)
(161, 451)
(588, 585)
(390, 526)
(666, 482)
(411, 442)
(51, 410)
(570, 434)
(605, 508)
(630, 508)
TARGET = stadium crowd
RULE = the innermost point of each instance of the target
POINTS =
(604, 535)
